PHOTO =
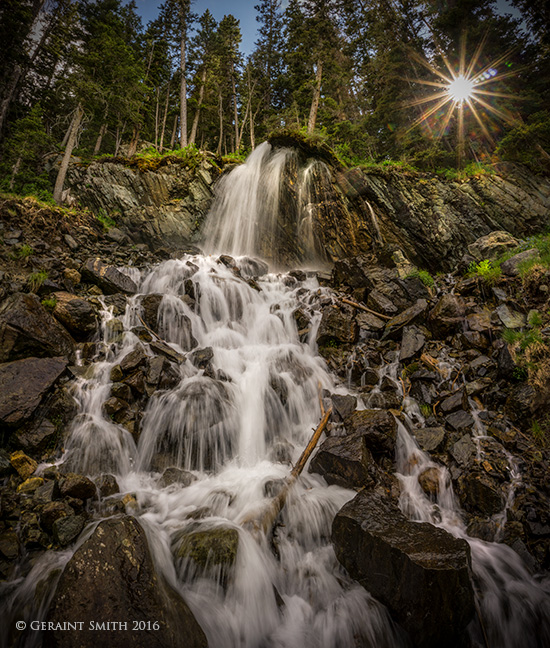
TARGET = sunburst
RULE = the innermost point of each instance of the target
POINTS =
(463, 87)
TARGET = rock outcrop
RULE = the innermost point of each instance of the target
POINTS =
(111, 577)
(403, 563)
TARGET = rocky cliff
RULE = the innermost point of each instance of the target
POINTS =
(431, 219)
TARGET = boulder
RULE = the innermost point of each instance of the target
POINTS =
(67, 528)
(446, 316)
(338, 326)
(402, 563)
(510, 267)
(479, 493)
(108, 278)
(378, 428)
(23, 385)
(107, 485)
(78, 486)
(412, 315)
(412, 343)
(430, 439)
(510, 318)
(77, 315)
(27, 329)
(175, 475)
(492, 245)
(344, 461)
(150, 307)
(111, 577)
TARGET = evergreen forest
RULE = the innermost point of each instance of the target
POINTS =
(372, 79)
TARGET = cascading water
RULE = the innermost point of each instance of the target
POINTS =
(239, 404)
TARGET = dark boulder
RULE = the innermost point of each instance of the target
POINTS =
(150, 305)
(344, 461)
(413, 315)
(479, 493)
(403, 563)
(107, 277)
(338, 326)
(27, 329)
(23, 385)
(111, 577)
(77, 315)
(78, 486)
(446, 317)
(412, 343)
(378, 428)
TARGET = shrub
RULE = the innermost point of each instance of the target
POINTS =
(485, 270)
(36, 279)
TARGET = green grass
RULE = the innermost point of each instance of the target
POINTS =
(49, 303)
(36, 279)
(105, 220)
(488, 271)
(424, 276)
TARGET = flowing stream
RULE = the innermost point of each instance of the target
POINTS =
(236, 418)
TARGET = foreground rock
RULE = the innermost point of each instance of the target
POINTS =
(111, 577)
(23, 385)
(107, 277)
(420, 572)
(27, 329)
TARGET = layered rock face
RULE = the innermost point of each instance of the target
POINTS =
(158, 207)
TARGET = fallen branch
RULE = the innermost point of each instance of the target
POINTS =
(364, 308)
(265, 519)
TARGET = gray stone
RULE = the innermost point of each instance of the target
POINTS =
(510, 267)
(430, 439)
(23, 385)
(107, 277)
(67, 528)
(492, 245)
(175, 475)
(463, 450)
(111, 576)
(412, 315)
(510, 318)
(412, 343)
(401, 563)
(460, 420)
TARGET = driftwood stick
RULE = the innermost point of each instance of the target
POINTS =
(265, 519)
(155, 335)
(364, 308)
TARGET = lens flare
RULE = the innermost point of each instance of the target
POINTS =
(461, 88)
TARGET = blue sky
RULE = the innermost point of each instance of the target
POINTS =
(243, 10)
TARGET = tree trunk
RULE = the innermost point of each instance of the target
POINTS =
(174, 131)
(236, 112)
(99, 139)
(60, 180)
(199, 104)
(316, 98)
(157, 102)
(183, 86)
(164, 117)
(134, 141)
(15, 171)
(9, 95)
(220, 112)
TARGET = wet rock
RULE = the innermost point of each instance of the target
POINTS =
(430, 439)
(381, 304)
(401, 563)
(429, 481)
(455, 402)
(510, 319)
(343, 461)
(480, 494)
(30, 485)
(121, 391)
(338, 326)
(27, 329)
(163, 349)
(460, 420)
(378, 428)
(25, 466)
(53, 511)
(78, 486)
(209, 549)
(9, 545)
(482, 529)
(446, 317)
(412, 315)
(23, 385)
(67, 528)
(133, 360)
(343, 404)
(521, 402)
(5, 465)
(37, 438)
(202, 358)
(175, 475)
(107, 485)
(47, 492)
(492, 245)
(77, 315)
(150, 305)
(510, 267)
(463, 450)
(108, 278)
(412, 343)
(112, 577)
(369, 324)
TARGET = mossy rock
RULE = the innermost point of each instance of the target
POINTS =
(307, 145)
(211, 547)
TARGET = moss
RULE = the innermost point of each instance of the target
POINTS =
(214, 547)
(307, 145)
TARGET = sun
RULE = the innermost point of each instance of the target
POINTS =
(461, 88)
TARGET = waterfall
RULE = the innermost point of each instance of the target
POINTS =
(239, 402)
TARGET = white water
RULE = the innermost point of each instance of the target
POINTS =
(232, 427)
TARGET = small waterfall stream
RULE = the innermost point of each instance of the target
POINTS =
(241, 406)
